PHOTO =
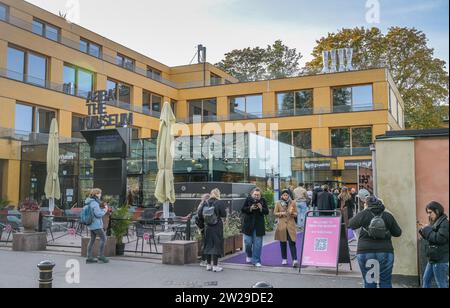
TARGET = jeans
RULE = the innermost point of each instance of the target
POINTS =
(253, 247)
(369, 270)
(292, 247)
(439, 272)
(102, 235)
(302, 209)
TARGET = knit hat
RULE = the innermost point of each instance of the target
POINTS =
(363, 194)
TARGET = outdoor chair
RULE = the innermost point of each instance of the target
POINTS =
(14, 228)
(47, 224)
(141, 230)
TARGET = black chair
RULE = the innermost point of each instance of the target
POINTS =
(141, 230)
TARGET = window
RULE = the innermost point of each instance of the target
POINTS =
(77, 126)
(125, 62)
(246, 107)
(401, 116)
(44, 29)
(351, 141)
(27, 66)
(173, 104)
(358, 98)
(3, 12)
(215, 80)
(135, 133)
(300, 139)
(31, 119)
(206, 108)
(393, 104)
(153, 73)
(154, 134)
(122, 91)
(90, 48)
(77, 81)
(151, 101)
(295, 103)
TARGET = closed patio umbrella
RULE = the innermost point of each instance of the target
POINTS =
(165, 191)
(52, 190)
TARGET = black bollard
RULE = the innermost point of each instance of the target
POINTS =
(46, 274)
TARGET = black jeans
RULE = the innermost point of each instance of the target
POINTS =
(292, 246)
(215, 259)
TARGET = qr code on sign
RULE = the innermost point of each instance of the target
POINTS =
(321, 244)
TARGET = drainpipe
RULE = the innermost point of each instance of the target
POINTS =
(374, 167)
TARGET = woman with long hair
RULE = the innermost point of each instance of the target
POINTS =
(346, 205)
(201, 227)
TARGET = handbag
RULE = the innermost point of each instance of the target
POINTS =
(433, 253)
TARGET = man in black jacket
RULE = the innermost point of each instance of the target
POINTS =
(325, 201)
(376, 250)
(316, 191)
(254, 210)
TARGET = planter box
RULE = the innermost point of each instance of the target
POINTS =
(110, 247)
(228, 246)
(238, 242)
(179, 252)
(199, 248)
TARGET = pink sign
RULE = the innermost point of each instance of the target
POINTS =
(8, 228)
(72, 232)
(321, 242)
(146, 237)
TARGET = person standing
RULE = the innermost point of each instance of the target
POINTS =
(436, 236)
(201, 226)
(96, 227)
(346, 205)
(254, 210)
(314, 202)
(325, 201)
(375, 241)
(286, 211)
(211, 214)
(301, 198)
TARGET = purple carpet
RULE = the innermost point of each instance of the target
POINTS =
(271, 253)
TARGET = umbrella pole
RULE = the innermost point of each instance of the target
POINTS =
(166, 214)
(51, 206)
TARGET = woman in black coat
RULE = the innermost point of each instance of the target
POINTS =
(213, 247)
(436, 237)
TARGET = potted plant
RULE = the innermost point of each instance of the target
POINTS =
(269, 220)
(4, 206)
(121, 220)
(232, 233)
(29, 210)
(198, 239)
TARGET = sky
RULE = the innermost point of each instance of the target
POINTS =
(170, 30)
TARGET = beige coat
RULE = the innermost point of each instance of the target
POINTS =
(286, 222)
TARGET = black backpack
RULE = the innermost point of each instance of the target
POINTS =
(377, 229)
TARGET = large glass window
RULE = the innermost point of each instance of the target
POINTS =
(348, 99)
(295, 103)
(90, 48)
(151, 101)
(300, 139)
(122, 91)
(246, 107)
(44, 29)
(30, 119)
(393, 104)
(24, 118)
(215, 79)
(77, 126)
(35, 69)
(16, 64)
(77, 81)
(351, 141)
(3, 12)
(153, 73)
(206, 108)
(125, 62)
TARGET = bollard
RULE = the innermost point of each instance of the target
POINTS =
(262, 285)
(45, 274)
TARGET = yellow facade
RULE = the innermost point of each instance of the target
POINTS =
(181, 84)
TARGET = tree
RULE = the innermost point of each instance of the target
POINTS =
(421, 78)
(251, 64)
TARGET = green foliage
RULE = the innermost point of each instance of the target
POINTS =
(4, 203)
(251, 64)
(421, 79)
(269, 195)
(269, 222)
(120, 223)
(232, 225)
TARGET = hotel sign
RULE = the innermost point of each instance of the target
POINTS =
(98, 118)
(318, 165)
(354, 164)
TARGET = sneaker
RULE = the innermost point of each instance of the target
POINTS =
(91, 261)
(258, 265)
(284, 262)
(295, 264)
(248, 260)
(103, 260)
(203, 264)
(217, 269)
(209, 268)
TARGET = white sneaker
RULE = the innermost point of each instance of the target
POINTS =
(217, 269)
(258, 265)
(203, 264)
(295, 264)
(285, 262)
(209, 268)
(248, 260)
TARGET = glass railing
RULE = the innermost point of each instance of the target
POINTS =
(360, 108)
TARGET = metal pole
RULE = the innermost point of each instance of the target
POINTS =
(46, 274)
(374, 171)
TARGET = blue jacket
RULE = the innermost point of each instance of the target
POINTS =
(97, 223)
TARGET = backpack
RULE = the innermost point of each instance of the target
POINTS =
(209, 214)
(377, 228)
(87, 215)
